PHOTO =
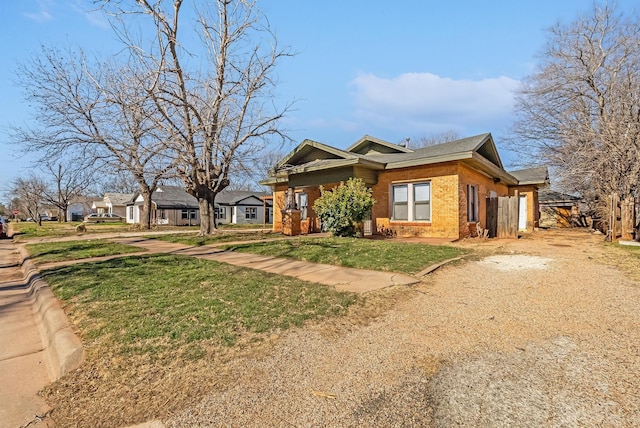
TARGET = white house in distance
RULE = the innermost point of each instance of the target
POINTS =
(78, 208)
(172, 205)
(116, 203)
(243, 207)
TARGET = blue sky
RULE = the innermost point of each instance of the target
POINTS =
(411, 69)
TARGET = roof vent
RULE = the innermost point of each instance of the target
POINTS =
(405, 143)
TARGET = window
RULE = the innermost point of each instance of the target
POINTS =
(303, 203)
(251, 213)
(422, 201)
(130, 213)
(400, 202)
(472, 203)
(412, 201)
(162, 215)
(188, 214)
(220, 213)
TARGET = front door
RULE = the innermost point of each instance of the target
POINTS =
(522, 213)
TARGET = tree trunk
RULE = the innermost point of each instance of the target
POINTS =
(145, 218)
(206, 217)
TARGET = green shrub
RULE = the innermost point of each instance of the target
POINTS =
(341, 210)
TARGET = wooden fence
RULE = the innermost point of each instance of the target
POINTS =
(624, 218)
(502, 216)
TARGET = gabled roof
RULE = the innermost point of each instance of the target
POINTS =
(369, 145)
(312, 156)
(453, 150)
(237, 197)
(118, 198)
(548, 196)
(309, 151)
(537, 175)
(479, 152)
(171, 197)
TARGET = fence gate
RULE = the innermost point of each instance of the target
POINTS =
(492, 216)
(502, 216)
(630, 219)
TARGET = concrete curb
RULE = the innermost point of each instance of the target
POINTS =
(433, 267)
(62, 347)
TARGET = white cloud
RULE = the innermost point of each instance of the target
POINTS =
(43, 14)
(425, 102)
(95, 16)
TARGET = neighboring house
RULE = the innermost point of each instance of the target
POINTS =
(436, 191)
(116, 203)
(559, 209)
(171, 205)
(99, 207)
(79, 208)
(241, 207)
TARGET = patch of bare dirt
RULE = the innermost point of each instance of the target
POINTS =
(554, 343)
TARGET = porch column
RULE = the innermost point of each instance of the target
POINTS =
(291, 215)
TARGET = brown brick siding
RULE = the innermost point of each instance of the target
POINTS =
(485, 185)
(444, 200)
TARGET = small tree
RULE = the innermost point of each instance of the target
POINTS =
(340, 209)
(29, 191)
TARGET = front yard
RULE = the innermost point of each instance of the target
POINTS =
(161, 329)
(25, 230)
(157, 328)
(51, 252)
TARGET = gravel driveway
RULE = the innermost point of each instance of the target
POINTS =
(540, 334)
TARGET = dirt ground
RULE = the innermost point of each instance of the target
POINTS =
(542, 331)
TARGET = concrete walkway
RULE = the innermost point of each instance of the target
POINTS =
(23, 367)
(342, 278)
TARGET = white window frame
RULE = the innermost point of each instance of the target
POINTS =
(220, 213)
(410, 203)
(251, 213)
(423, 202)
(472, 204)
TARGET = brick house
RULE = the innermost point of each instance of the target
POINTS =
(436, 191)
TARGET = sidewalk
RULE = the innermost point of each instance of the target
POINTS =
(342, 278)
(21, 346)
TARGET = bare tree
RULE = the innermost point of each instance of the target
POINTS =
(438, 138)
(99, 111)
(218, 107)
(71, 179)
(29, 192)
(580, 111)
(117, 182)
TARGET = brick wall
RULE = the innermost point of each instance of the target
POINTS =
(485, 186)
(444, 200)
(312, 223)
(448, 199)
(279, 197)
